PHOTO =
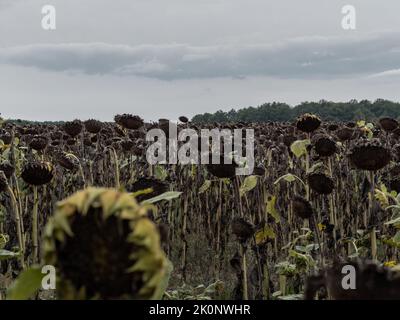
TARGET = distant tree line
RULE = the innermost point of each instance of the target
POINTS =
(327, 110)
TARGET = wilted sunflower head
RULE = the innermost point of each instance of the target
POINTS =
(38, 173)
(7, 168)
(371, 282)
(38, 142)
(183, 119)
(225, 169)
(93, 126)
(370, 155)
(5, 136)
(320, 182)
(308, 122)
(302, 207)
(103, 246)
(242, 229)
(67, 160)
(388, 124)
(345, 134)
(129, 121)
(73, 128)
(126, 145)
(324, 145)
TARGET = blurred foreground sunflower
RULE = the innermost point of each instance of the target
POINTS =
(104, 247)
(371, 282)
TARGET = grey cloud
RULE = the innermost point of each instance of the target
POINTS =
(302, 58)
(8, 3)
(385, 74)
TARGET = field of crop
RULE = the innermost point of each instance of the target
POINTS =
(81, 196)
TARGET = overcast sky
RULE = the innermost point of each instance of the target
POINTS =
(166, 58)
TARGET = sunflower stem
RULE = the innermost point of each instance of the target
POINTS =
(35, 226)
(374, 247)
(18, 224)
(82, 175)
(282, 284)
(116, 164)
(244, 270)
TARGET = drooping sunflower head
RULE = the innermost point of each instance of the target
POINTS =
(388, 124)
(7, 168)
(183, 119)
(67, 160)
(93, 126)
(103, 246)
(38, 142)
(5, 136)
(129, 121)
(37, 173)
(320, 180)
(242, 229)
(345, 134)
(324, 145)
(302, 207)
(126, 145)
(73, 128)
(370, 155)
(371, 281)
(308, 122)
(321, 183)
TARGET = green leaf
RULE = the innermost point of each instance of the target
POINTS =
(285, 268)
(271, 208)
(303, 258)
(381, 196)
(299, 147)
(311, 247)
(287, 177)
(160, 173)
(5, 254)
(316, 166)
(248, 184)
(361, 123)
(301, 249)
(206, 185)
(264, 235)
(141, 192)
(165, 196)
(3, 240)
(370, 125)
(26, 285)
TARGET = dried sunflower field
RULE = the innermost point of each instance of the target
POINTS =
(81, 196)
